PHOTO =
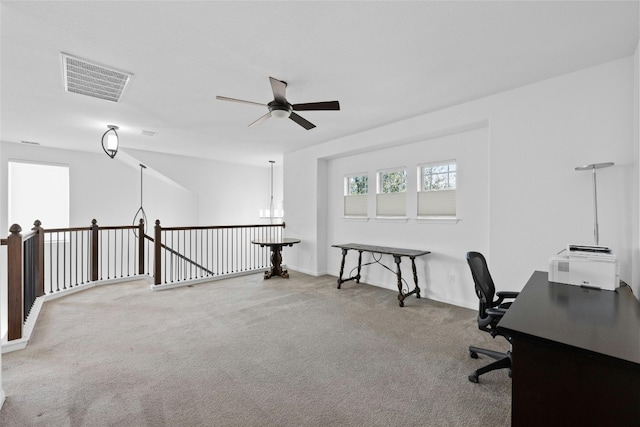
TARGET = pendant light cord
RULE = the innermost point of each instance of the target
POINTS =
(140, 209)
(271, 199)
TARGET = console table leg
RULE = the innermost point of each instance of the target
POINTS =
(359, 266)
(397, 260)
(344, 255)
(415, 276)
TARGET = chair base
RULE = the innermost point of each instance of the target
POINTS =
(503, 360)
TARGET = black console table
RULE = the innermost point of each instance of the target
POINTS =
(576, 355)
(276, 256)
(397, 254)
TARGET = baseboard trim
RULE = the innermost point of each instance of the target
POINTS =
(309, 272)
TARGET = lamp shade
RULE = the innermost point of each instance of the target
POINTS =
(111, 141)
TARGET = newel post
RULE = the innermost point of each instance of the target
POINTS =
(141, 247)
(157, 266)
(94, 250)
(14, 283)
(39, 249)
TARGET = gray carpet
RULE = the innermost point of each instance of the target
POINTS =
(252, 352)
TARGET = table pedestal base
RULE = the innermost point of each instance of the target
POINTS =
(276, 264)
(276, 255)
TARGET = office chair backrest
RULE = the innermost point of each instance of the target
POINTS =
(485, 289)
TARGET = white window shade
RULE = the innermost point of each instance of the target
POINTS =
(437, 203)
(355, 205)
(391, 204)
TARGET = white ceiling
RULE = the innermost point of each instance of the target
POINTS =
(384, 62)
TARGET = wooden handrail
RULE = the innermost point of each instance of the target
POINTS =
(215, 227)
(64, 230)
(111, 227)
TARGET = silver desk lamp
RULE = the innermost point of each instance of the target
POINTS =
(592, 168)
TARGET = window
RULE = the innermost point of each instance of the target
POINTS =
(356, 188)
(38, 191)
(437, 195)
(391, 197)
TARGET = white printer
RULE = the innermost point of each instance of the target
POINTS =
(589, 266)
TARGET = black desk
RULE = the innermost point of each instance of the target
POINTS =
(576, 355)
(397, 254)
(276, 246)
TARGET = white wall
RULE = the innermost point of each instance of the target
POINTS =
(302, 188)
(445, 266)
(202, 192)
(635, 284)
(3, 305)
(227, 193)
(103, 188)
(537, 202)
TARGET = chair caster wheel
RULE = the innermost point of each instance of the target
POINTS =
(473, 378)
(473, 355)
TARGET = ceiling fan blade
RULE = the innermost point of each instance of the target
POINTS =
(309, 106)
(302, 122)
(260, 120)
(224, 98)
(279, 90)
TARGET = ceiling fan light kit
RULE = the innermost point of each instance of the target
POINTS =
(279, 111)
(281, 108)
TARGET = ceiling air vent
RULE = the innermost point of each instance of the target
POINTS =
(97, 81)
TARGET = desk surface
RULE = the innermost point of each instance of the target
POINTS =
(382, 249)
(605, 322)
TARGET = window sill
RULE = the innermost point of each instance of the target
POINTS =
(391, 219)
(355, 218)
(437, 220)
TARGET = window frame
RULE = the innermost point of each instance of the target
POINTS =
(391, 204)
(446, 200)
(355, 205)
(347, 186)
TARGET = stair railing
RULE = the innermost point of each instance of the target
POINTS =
(51, 261)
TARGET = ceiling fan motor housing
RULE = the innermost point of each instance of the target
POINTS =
(279, 109)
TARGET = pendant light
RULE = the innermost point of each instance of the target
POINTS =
(111, 141)
(271, 213)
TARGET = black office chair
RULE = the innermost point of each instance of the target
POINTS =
(489, 313)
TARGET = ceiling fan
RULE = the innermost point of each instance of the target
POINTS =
(281, 108)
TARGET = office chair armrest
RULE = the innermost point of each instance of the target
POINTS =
(502, 295)
(496, 312)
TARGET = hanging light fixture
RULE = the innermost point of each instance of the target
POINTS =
(111, 141)
(271, 213)
(271, 198)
